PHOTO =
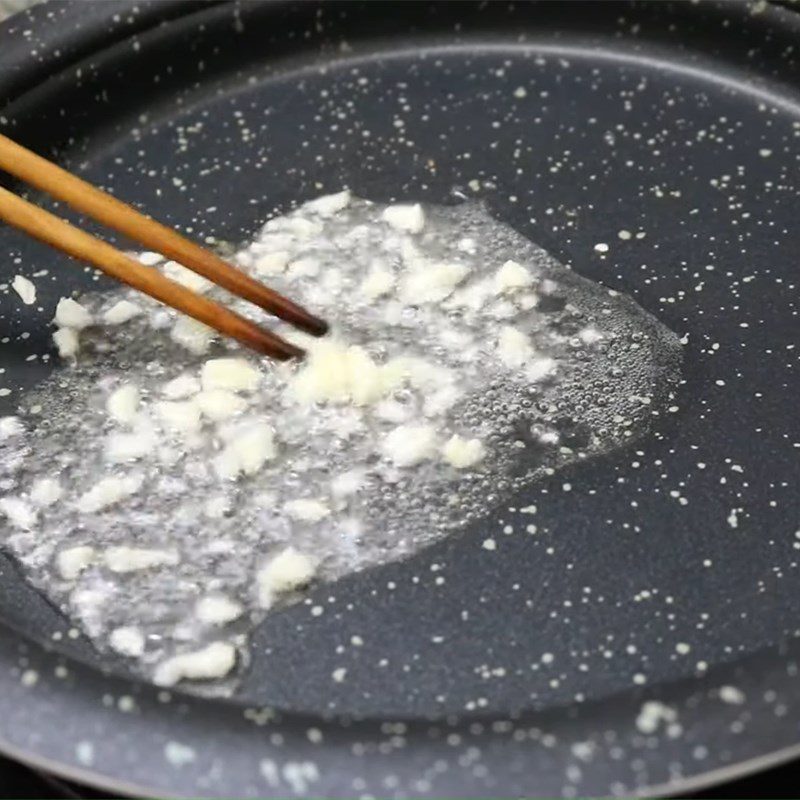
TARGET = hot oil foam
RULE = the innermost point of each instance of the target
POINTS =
(530, 365)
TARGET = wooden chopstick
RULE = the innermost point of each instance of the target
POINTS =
(58, 233)
(101, 206)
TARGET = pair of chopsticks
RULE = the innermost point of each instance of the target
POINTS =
(97, 204)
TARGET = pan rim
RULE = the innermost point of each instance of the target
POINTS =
(695, 781)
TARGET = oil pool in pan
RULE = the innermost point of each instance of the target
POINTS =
(638, 588)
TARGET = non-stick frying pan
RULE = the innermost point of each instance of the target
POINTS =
(668, 573)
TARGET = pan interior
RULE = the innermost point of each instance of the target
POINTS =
(653, 564)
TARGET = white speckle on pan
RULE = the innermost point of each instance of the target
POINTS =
(84, 753)
(30, 677)
(731, 695)
(653, 714)
(601, 247)
(179, 754)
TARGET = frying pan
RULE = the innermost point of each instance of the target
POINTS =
(524, 674)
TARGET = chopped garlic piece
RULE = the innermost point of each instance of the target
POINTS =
(462, 453)
(70, 314)
(193, 335)
(336, 372)
(441, 400)
(247, 452)
(540, 368)
(127, 641)
(407, 445)
(431, 283)
(10, 427)
(297, 226)
(590, 335)
(181, 387)
(514, 347)
(306, 510)
(219, 404)
(217, 610)
(123, 404)
(107, 492)
(408, 218)
(235, 374)
(150, 258)
(328, 204)
(179, 415)
(25, 289)
(121, 447)
(378, 282)
(271, 263)
(216, 507)
(512, 276)
(187, 277)
(348, 482)
(18, 512)
(121, 312)
(66, 342)
(72, 561)
(212, 661)
(124, 559)
(287, 571)
(303, 268)
(45, 492)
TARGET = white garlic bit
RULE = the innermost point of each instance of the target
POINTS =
(512, 276)
(462, 453)
(235, 374)
(328, 204)
(25, 288)
(431, 283)
(71, 314)
(181, 387)
(74, 560)
(193, 335)
(408, 445)
(19, 512)
(45, 492)
(285, 572)
(124, 559)
(217, 610)
(212, 661)
(107, 492)
(127, 641)
(121, 312)
(219, 404)
(123, 404)
(67, 342)
(339, 373)
(514, 347)
(409, 218)
(248, 450)
(306, 509)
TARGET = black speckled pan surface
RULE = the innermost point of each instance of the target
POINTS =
(523, 673)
